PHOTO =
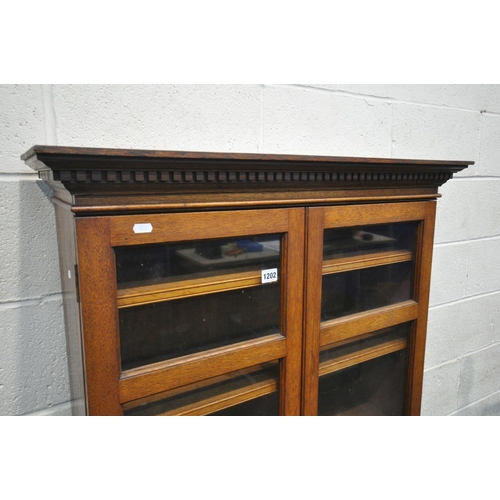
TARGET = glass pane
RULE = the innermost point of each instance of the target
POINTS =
(365, 376)
(353, 241)
(265, 406)
(355, 291)
(165, 330)
(177, 299)
(249, 392)
(163, 263)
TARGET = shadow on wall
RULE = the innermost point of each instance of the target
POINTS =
(472, 381)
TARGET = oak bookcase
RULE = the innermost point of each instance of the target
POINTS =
(243, 284)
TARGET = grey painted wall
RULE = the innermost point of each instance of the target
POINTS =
(462, 375)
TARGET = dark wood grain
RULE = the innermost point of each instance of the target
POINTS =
(111, 174)
(137, 154)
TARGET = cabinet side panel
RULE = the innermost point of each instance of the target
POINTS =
(67, 261)
(422, 288)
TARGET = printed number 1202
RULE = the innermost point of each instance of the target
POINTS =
(269, 275)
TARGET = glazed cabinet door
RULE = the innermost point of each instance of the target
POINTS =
(193, 313)
(368, 270)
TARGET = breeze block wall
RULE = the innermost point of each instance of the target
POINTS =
(462, 375)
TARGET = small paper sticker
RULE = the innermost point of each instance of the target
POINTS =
(142, 228)
(269, 275)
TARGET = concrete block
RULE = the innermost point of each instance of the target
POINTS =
(60, 410)
(28, 247)
(33, 362)
(297, 120)
(489, 156)
(449, 273)
(486, 407)
(171, 117)
(484, 266)
(440, 389)
(473, 96)
(304, 121)
(465, 269)
(21, 125)
(479, 375)
(423, 94)
(325, 86)
(461, 328)
(469, 209)
(435, 134)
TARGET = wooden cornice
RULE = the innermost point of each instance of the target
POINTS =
(117, 172)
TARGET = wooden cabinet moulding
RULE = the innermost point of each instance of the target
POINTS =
(104, 179)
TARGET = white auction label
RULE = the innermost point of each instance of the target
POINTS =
(143, 228)
(269, 275)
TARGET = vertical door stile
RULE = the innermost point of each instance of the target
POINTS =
(312, 296)
(293, 273)
(99, 312)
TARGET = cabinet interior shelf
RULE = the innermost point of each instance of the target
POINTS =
(351, 263)
(341, 362)
(128, 297)
(206, 397)
(149, 294)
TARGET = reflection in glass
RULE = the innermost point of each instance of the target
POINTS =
(249, 392)
(366, 376)
(162, 263)
(355, 291)
(165, 330)
(368, 239)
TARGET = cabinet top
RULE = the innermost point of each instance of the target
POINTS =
(99, 179)
(95, 155)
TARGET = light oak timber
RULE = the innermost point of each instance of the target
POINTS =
(191, 226)
(207, 396)
(383, 213)
(361, 356)
(91, 205)
(313, 265)
(292, 299)
(343, 264)
(353, 325)
(128, 297)
(348, 341)
(165, 375)
(99, 315)
(425, 239)
(225, 400)
(197, 385)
